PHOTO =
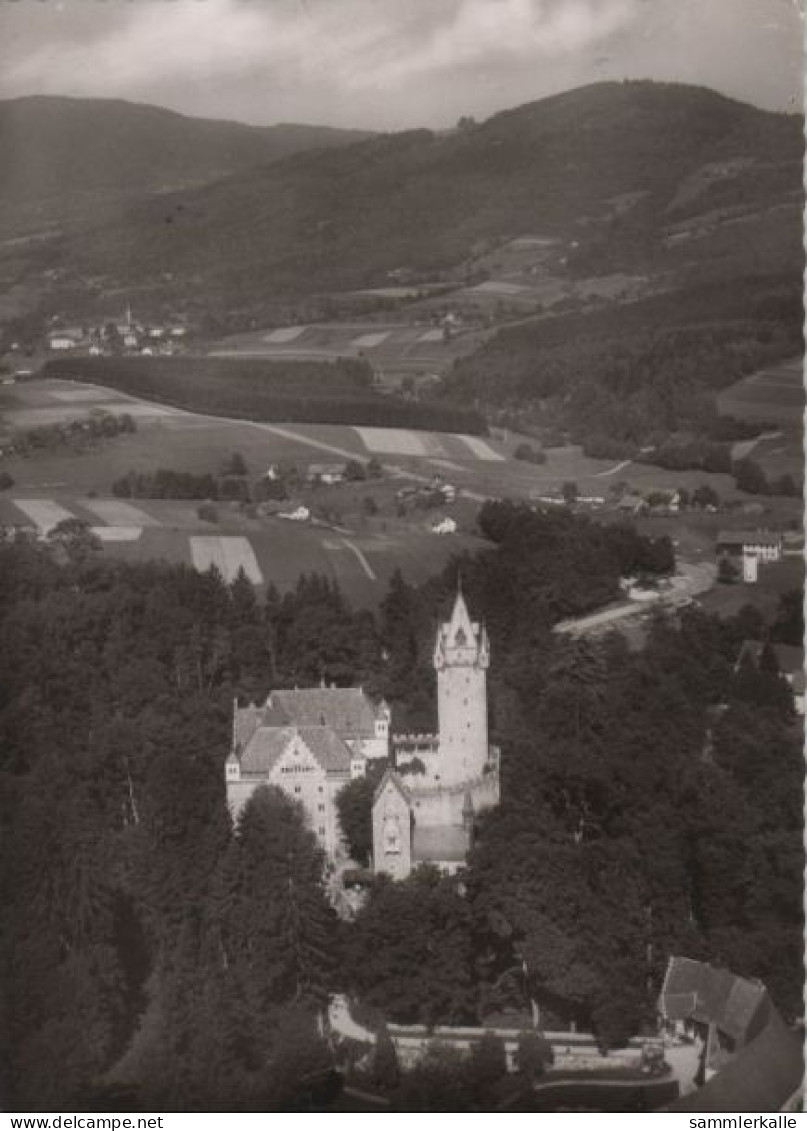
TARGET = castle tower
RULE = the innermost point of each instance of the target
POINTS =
(461, 658)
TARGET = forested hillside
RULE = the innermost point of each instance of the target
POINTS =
(633, 373)
(152, 957)
(427, 202)
(65, 157)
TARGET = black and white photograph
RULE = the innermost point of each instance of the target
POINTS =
(402, 683)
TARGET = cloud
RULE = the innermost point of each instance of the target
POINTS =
(353, 44)
(518, 29)
(390, 63)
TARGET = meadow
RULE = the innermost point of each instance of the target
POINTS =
(270, 550)
(773, 395)
(360, 547)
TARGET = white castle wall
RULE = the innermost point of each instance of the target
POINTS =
(443, 805)
(462, 710)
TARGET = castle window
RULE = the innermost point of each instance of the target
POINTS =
(321, 830)
(297, 789)
(460, 638)
(321, 808)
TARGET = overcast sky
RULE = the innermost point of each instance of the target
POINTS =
(390, 64)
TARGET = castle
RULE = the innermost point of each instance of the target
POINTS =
(424, 808)
(311, 742)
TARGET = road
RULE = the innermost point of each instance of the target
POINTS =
(691, 579)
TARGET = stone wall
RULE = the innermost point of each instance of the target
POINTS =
(443, 805)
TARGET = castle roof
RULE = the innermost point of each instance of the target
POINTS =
(269, 743)
(393, 776)
(460, 620)
(459, 631)
(348, 710)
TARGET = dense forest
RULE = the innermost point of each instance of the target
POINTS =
(291, 392)
(633, 374)
(153, 957)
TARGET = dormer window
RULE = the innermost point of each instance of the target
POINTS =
(460, 639)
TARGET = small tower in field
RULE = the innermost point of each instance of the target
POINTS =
(461, 658)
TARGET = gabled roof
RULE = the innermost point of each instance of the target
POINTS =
(762, 1077)
(393, 776)
(789, 658)
(328, 748)
(696, 991)
(264, 749)
(348, 710)
(326, 469)
(440, 843)
(268, 744)
(748, 538)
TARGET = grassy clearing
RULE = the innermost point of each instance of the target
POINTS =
(282, 551)
(774, 394)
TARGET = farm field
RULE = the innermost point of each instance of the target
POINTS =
(391, 347)
(195, 443)
(773, 396)
(185, 441)
(271, 550)
(359, 553)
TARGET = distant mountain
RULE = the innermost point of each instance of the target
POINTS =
(345, 217)
(59, 149)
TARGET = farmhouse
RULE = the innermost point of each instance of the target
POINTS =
(66, 339)
(747, 548)
(748, 1049)
(325, 473)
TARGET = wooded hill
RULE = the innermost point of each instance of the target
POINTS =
(342, 218)
(64, 154)
(634, 373)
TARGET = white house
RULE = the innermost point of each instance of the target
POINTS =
(325, 473)
(749, 548)
(301, 514)
(65, 339)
